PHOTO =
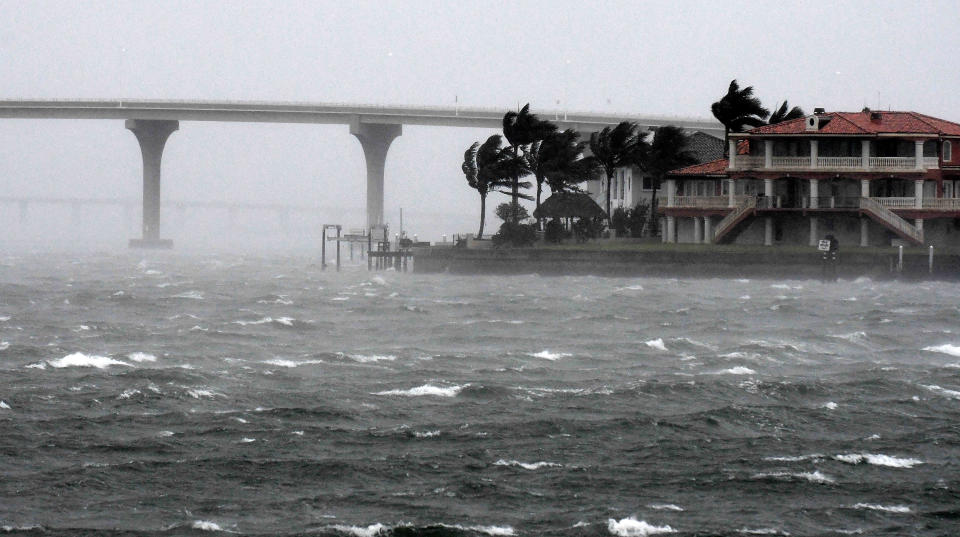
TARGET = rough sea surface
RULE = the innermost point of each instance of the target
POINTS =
(170, 394)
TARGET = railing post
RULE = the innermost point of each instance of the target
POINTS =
(900, 259)
(930, 261)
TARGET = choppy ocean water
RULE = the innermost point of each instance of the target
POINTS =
(174, 394)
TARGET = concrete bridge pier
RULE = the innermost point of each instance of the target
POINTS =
(375, 138)
(152, 135)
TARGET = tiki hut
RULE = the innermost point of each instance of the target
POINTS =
(569, 205)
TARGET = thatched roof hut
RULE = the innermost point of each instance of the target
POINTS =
(569, 204)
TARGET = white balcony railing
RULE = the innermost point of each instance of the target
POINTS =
(754, 162)
(897, 203)
(943, 204)
(701, 201)
(839, 162)
(790, 162)
(896, 163)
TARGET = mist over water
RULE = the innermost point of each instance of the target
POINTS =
(171, 393)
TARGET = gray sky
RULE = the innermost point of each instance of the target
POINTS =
(672, 58)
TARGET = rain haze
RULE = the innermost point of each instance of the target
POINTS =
(800, 377)
(617, 57)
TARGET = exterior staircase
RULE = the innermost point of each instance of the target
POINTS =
(737, 215)
(891, 221)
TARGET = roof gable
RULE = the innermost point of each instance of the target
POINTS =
(866, 122)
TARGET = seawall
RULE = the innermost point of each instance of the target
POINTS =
(707, 263)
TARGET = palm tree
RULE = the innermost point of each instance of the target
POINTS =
(554, 157)
(522, 129)
(737, 109)
(668, 151)
(616, 147)
(784, 113)
(488, 168)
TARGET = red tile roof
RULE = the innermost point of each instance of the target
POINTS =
(862, 123)
(714, 167)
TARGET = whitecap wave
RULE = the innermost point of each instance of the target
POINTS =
(946, 348)
(4, 405)
(738, 370)
(495, 531)
(656, 344)
(192, 295)
(205, 525)
(281, 363)
(878, 460)
(368, 358)
(528, 465)
(631, 527)
(200, 393)
(370, 531)
(142, 357)
(127, 394)
(426, 389)
(886, 508)
(78, 359)
(665, 507)
(761, 531)
(795, 458)
(813, 477)
(552, 356)
(830, 405)
(426, 434)
(942, 391)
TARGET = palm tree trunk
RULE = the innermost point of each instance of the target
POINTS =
(539, 189)
(653, 209)
(483, 214)
(609, 180)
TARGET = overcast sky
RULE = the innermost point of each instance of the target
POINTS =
(671, 58)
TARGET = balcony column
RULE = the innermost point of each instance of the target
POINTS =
(814, 193)
(731, 187)
(707, 230)
(814, 237)
(813, 153)
(697, 230)
(864, 188)
(768, 231)
(768, 153)
(865, 154)
(864, 231)
(918, 151)
(732, 148)
(768, 192)
(918, 194)
(671, 229)
(671, 192)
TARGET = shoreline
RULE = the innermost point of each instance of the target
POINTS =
(771, 262)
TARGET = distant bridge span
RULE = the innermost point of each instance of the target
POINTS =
(152, 122)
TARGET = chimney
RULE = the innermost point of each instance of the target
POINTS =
(819, 111)
(875, 116)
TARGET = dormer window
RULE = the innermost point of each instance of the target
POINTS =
(947, 157)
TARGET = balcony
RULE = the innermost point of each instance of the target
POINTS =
(754, 162)
(821, 202)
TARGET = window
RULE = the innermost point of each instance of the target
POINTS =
(946, 151)
(647, 183)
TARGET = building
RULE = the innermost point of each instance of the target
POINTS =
(869, 178)
(631, 186)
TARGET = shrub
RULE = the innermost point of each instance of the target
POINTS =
(554, 231)
(638, 219)
(508, 212)
(513, 234)
(620, 221)
(585, 228)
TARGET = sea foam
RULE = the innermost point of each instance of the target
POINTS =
(141, 357)
(886, 508)
(78, 359)
(813, 477)
(205, 525)
(656, 344)
(631, 527)
(528, 465)
(426, 389)
(877, 460)
(553, 356)
(946, 348)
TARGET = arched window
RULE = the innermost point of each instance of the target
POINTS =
(946, 151)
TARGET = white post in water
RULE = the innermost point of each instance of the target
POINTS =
(900, 259)
(930, 261)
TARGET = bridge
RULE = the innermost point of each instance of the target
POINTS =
(375, 127)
